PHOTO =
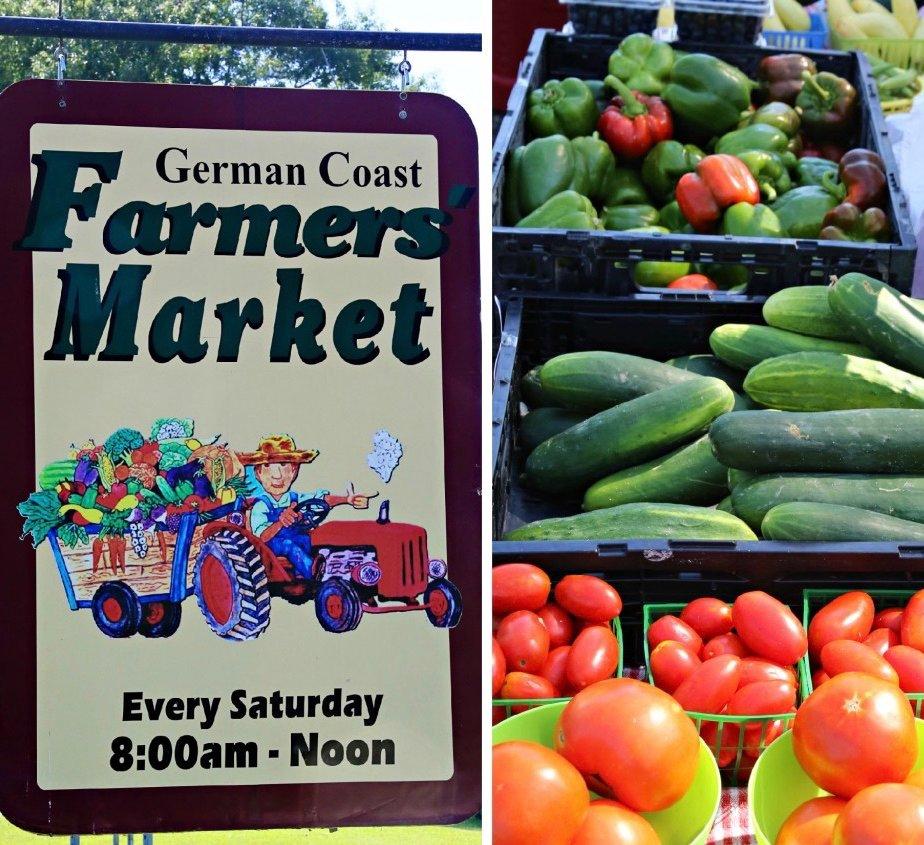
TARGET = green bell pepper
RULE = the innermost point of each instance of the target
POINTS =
(567, 210)
(811, 170)
(769, 170)
(565, 107)
(599, 162)
(781, 115)
(672, 217)
(707, 94)
(642, 63)
(659, 274)
(539, 170)
(624, 187)
(751, 221)
(622, 217)
(759, 136)
(802, 211)
(726, 276)
(665, 164)
(598, 88)
(828, 104)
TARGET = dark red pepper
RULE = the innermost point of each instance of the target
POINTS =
(863, 174)
(633, 123)
(780, 76)
(831, 151)
(846, 222)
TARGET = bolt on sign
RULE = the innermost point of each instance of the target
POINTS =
(241, 448)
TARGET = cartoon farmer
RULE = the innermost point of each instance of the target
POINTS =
(275, 516)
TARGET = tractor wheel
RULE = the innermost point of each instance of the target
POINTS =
(338, 606)
(231, 586)
(160, 619)
(444, 603)
(116, 610)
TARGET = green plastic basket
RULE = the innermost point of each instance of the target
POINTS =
(902, 52)
(688, 822)
(738, 770)
(509, 703)
(814, 599)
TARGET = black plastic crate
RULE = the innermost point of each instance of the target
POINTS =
(654, 326)
(559, 261)
(616, 21)
(724, 27)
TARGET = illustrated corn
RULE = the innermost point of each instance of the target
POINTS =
(106, 470)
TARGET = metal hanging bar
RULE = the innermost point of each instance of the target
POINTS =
(238, 36)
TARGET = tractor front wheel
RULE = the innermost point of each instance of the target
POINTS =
(444, 603)
(116, 610)
(338, 606)
(160, 619)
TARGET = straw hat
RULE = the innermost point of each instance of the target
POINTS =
(277, 449)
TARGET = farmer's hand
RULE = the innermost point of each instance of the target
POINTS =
(358, 500)
(289, 516)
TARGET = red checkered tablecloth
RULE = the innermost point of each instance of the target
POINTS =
(731, 824)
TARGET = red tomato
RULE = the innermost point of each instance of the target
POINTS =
(849, 656)
(594, 656)
(538, 796)
(881, 640)
(769, 628)
(913, 622)
(725, 644)
(710, 687)
(554, 669)
(754, 669)
(709, 617)
(916, 779)
(498, 714)
(848, 617)
(694, 281)
(588, 597)
(855, 731)
(763, 698)
(819, 676)
(558, 623)
(671, 628)
(498, 666)
(725, 747)
(518, 586)
(632, 741)
(671, 664)
(885, 814)
(611, 823)
(524, 640)
(890, 618)
(811, 823)
(909, 664)
(496, 619)
(758, 735)
(523, 685)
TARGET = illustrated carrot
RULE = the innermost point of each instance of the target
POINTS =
(97, 553)
(162, 545)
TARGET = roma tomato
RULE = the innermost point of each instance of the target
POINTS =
(709, 617)
(848, 617)
(769, 628)
(671, 664)
(631, 741)
(890, 618)
(538, 796)
(554, 670)
(524, 640)
(849, 656)
(725, 747)
(523, 685)
(811, 823)
(518, 586)
(855, 731)
(588, 597)
(710, 687)
(913, 622)
(498, 714)
(758, 735)
(558, 623)
(763, 698)
(611, 823)
(666, 628)
(498, 666)
(725, 644)
(909, 664)
(594, 656)
(755, 669)
(881, 640)
(819, 676)
(885, 814)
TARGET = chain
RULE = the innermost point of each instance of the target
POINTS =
(404, 69)
(60, 54)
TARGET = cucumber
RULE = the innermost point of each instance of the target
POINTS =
(738, 476)
(531, 390)
(542, 423)
(873, 440)
(709, 365)
(827, 381)
(811, 521)
(726, 505)
(595, 381)
(689, 476)
(895, 495)
(743, 345)
(626, 435)
(877, 315)
(639, 520)
(805, 309)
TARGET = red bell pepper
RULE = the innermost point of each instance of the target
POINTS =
(720, 181)
(633, 123)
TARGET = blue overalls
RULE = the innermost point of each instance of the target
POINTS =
(292, 542)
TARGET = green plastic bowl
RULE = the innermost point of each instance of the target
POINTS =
(688, 822)
(779, 784)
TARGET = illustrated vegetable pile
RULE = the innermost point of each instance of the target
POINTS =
(546, 649)
(649, 445)
(131, 484)
(681, 147)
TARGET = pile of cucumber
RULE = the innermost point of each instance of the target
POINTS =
(809, 428)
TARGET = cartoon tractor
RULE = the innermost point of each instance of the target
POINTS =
(359, 566)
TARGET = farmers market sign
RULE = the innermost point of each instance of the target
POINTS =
(248, 489)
